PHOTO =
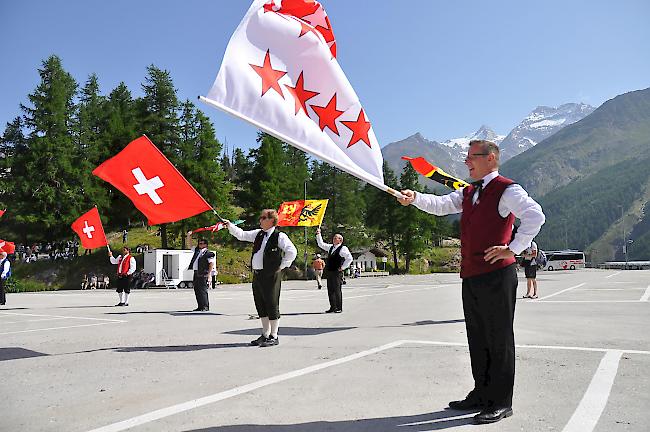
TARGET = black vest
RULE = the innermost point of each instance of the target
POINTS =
(272, 252)
(334, 260)
(204, 264)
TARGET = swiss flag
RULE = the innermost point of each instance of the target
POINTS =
(7, 246)
(90, 230)
(157, 189)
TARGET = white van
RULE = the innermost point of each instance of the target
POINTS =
(564, 260)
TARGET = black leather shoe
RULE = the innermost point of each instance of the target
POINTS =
(258, 341)
(330, 311)
(197, 310)
(338, 311)
(468, 404)
(120, 304)
(269, 341)
(492, 415)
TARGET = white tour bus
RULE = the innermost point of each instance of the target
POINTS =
(564, 260)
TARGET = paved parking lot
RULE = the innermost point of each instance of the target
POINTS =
(69, 361)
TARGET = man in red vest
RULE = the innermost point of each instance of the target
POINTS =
(125, 268)
(489, 207)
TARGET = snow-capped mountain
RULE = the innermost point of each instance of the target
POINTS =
(483, 133)
(540, 124)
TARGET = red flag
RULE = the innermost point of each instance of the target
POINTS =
(157, 189)
(422, 166)
(2, 212)
(90, 230)
(214, 228)
(7, 246)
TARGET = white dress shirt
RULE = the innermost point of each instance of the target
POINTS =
(212, 260)
(118, 260)
(514, 200)
(284, 244)
(6, 265)
(345, 252)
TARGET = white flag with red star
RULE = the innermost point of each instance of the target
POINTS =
(280, 73)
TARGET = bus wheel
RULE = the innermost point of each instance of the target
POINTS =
(181, 285)
(190, 285)
(572, 267)
(550, 268)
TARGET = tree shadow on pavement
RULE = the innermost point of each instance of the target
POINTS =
(166, 348)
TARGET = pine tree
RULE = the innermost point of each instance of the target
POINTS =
(158, 110)
(50, 196)
(414, 226)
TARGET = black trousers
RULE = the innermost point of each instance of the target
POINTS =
(334, 283)
(266, 293)
(201, 290)
(489, 307)
(123, 284)
(3, 297)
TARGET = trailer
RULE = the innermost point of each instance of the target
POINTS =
(169, 267)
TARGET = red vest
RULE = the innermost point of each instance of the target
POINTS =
(481, 226)
(123, 265)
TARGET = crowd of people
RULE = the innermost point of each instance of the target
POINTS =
(67, 249)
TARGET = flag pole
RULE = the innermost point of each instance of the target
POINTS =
(302, 147)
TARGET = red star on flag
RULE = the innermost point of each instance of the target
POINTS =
(359, 128)
(327, 115)
(270, 76)
(300, 94)
(305, 28)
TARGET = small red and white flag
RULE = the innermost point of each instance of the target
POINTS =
(90, 230)
(280, 73)
(213, 228)
(152, 183)
(7, 246)
(2, 212)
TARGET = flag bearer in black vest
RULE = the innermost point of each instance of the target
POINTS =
(272, 252)
(203, 262)
(338, 259)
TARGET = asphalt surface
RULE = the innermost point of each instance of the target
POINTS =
(70, 361)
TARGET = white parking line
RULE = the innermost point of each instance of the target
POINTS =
(26, 321)
(612, 275)
(61, 316)
(560, 292)
(58, 328)
(606, 373)
(586, 416)
(646, 295)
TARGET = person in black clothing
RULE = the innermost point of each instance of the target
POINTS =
(272, 252)
(339, 258)
(203, 262)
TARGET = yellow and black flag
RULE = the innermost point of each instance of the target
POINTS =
(434, 173)
(302, 213)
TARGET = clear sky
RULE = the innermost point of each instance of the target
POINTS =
(441, 68)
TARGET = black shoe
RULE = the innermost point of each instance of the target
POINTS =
(338, 311)
(125, 304)
(197, 310)
(492, 415)
(269, 341)
(120, 304)
(320, 287)
(204, 310)
(258, 341)
(468, 404)
(330, 311)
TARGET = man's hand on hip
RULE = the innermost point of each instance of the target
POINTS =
(496, 253)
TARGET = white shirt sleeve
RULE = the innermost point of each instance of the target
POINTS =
(345, 253)
(516, 200)
(290, 251)
(115, 260)
(321, 244)
(131, 266)
(440, 205)
(5, 268)
(242, 235)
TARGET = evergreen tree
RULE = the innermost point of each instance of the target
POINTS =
(50, 196)
(267, 175)
(158, 111)
(414, 226)
(383, 215)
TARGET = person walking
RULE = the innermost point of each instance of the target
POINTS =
(272, 253)
(202, 263)
(318, 265)
(488, 270)
(339, 258)
(125, 269)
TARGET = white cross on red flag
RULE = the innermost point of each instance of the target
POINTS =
(142, 173)
(280, 73)
(90, 230)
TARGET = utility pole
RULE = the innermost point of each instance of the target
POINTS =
(305, 234)
(624, 241)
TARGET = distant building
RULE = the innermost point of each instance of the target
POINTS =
(370, 259)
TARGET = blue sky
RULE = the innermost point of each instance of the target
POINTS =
(435, 67)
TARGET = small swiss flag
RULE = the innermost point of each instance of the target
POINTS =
(90, 230)
(7, 246)
(157, 189)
